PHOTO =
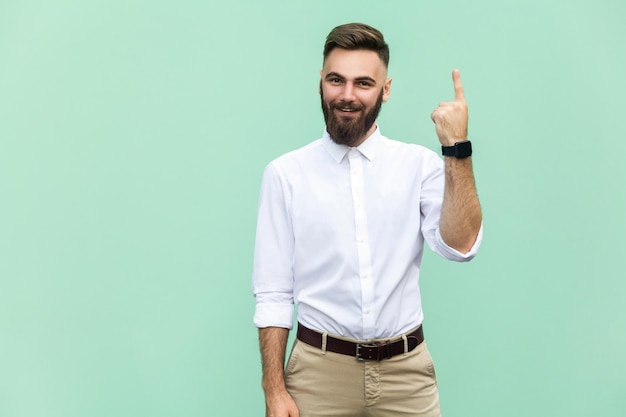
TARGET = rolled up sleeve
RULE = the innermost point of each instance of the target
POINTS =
(452, 254)
(272, 276)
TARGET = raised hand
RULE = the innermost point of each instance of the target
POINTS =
(450, 117)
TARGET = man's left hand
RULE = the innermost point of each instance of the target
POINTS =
(450, 117)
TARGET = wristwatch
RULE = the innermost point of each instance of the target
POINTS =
(461, 149)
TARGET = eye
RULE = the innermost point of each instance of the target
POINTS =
(335, 80)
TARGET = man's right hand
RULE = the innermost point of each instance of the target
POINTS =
(280, 405)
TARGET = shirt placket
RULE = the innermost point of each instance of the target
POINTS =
(362, 243)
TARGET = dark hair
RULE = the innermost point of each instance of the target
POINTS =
(353, 36)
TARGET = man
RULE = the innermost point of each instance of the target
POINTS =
(341, 229)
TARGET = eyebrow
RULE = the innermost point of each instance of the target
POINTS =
(337, 75)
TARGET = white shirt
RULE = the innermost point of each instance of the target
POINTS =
(341, 233)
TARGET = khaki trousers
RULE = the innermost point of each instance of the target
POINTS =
(331, 384)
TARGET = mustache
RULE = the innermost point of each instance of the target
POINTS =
(346, 105)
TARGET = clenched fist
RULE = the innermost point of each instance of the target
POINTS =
(450, 117)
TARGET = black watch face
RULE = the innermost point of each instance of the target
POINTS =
(463, 149)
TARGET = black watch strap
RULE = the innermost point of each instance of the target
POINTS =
(461, 149)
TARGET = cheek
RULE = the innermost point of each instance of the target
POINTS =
(329, 95)
(367, 102)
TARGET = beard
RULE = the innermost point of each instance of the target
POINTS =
(349, 130)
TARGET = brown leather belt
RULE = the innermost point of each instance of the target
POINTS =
(366, 351)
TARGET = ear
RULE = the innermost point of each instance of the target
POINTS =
(386, 90)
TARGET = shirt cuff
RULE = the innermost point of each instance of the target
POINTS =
(273, 315)
(453, 254)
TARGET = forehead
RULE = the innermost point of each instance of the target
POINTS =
(354, 63)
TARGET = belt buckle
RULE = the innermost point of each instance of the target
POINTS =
(374, 347)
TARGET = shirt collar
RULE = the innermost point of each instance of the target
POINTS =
(368, 148)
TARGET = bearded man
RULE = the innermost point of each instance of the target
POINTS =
(341, 229)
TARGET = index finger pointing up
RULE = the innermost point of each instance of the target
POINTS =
(458, 86)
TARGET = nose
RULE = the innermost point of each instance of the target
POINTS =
(347, 94)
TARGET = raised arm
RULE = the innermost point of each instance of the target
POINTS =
(461, 216)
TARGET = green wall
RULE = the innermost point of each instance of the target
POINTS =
(133, 135)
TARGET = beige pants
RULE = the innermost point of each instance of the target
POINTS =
(332, 384)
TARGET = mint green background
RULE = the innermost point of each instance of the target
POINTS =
(133, 135)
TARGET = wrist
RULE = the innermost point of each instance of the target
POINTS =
(461, 149)
(450, 141)
(273, 388)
